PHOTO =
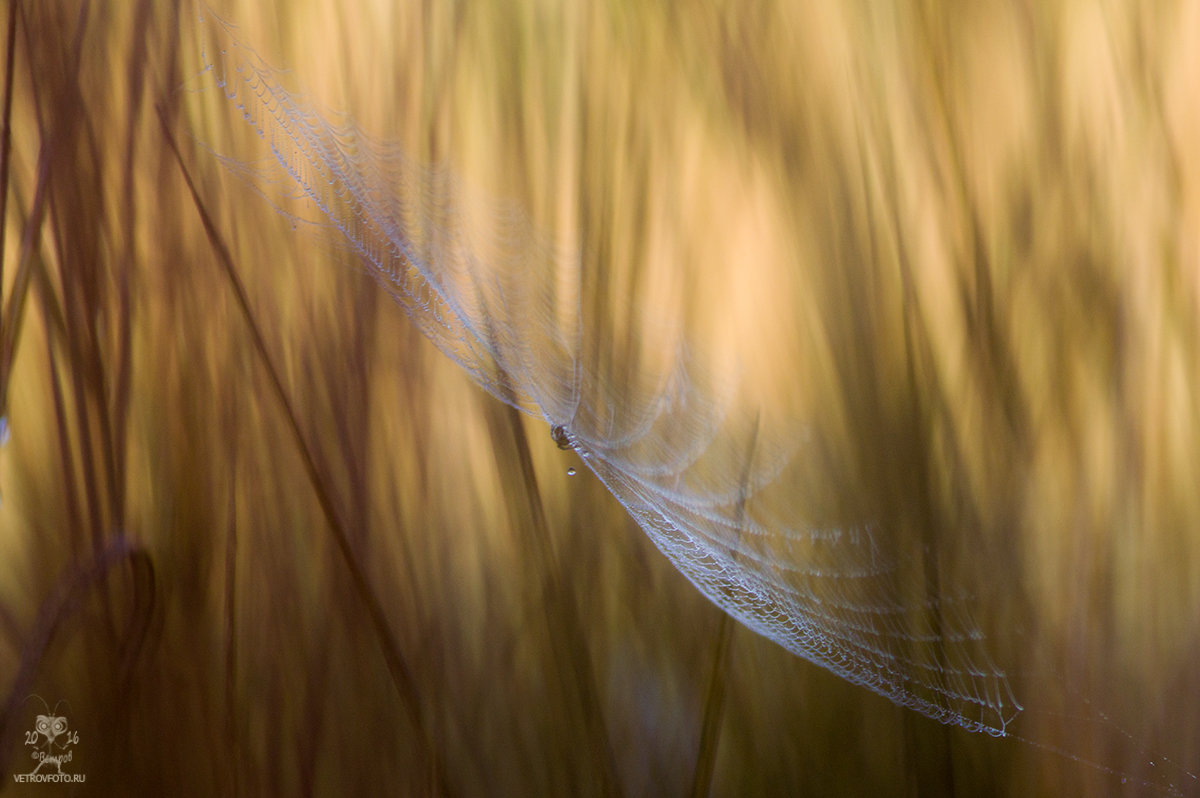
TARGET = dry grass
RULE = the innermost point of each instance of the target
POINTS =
(264, 539)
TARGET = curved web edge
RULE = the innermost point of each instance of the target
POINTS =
(840, 611)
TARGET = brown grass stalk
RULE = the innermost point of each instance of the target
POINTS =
(398, 666)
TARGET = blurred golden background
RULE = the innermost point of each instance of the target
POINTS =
(959, 242)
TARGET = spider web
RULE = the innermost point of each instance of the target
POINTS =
(489, 291)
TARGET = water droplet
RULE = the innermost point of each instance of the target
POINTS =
(4, 432)
(570, 472)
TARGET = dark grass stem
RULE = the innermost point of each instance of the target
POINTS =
(14, 310)
(566, 638)
(67, 461)
(398, 667)
(231, 663)
(714, 710)
(6, 132)
(714, 702)
(567, 643)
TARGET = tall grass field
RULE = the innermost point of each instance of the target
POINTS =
(901, 298)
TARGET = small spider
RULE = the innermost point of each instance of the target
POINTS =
(559, 433)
